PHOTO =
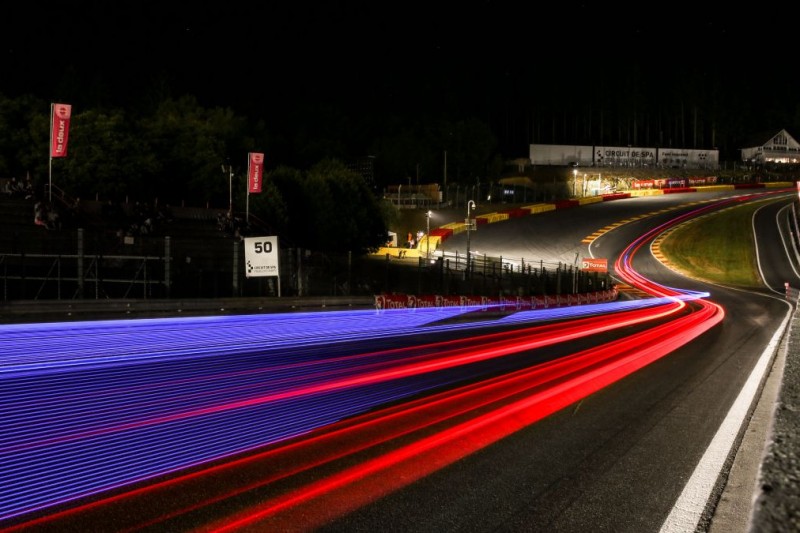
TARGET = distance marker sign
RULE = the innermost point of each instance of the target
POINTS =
(261, 256)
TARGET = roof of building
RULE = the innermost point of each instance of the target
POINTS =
(762, 138)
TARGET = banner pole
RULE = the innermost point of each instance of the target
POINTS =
(247, 199)
(50, 152)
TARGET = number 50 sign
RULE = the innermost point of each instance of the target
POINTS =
(261, 256)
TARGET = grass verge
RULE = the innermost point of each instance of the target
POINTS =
(718, 248)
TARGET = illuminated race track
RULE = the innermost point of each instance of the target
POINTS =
(292, 422)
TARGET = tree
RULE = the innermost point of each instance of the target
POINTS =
(270, 209)
(474, 150)
(330, 208)
(24, 136)
(107, 157)
(192, 143)
(350, 216)
(417, 148)
(296, 225)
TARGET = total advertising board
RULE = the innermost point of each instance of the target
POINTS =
(594, 264)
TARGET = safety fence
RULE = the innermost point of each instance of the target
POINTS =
(165, 267)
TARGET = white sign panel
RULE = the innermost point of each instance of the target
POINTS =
(624, 155)
(560, 154)
(671, 157)
(261, 256)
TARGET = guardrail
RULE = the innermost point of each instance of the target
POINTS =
(65, 310)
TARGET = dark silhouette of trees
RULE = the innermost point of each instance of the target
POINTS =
(174, 156)
(328, 208)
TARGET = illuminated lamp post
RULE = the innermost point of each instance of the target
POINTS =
(428, 236)
(574, 180)
(470, 205)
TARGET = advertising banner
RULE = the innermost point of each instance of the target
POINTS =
(683, 157)
(428, 300)
(391, 301)
(589, 264)
(624, 156)
(255, 172)
(59, 129)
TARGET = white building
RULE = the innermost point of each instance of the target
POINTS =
(772, 148)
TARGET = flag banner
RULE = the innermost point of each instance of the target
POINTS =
(60, 130)
(255, 172)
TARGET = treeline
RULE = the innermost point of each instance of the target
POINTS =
(182, 154)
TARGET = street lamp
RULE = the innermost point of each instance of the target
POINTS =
(574, 180)
(470, 205)
(428, 236)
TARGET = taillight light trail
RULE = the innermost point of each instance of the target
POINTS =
(122, 402)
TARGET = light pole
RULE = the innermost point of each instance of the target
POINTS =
(574, 180)
(428, 237)
(470, 205)
(229, 171)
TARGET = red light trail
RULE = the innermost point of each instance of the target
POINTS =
(308, 479)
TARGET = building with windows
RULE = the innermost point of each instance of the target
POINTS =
(777, 148)
(364, 166)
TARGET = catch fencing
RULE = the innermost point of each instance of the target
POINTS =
(79, 266)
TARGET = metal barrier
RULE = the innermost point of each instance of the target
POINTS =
(165, 267)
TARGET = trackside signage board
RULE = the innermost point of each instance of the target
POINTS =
(590, 264)
(261, 256)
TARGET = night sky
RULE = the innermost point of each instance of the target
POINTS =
(483, 58)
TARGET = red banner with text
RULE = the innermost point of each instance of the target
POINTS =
(255, 172)
(60, 129)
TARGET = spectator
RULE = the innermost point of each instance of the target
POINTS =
(222, 222)
(74, 215)
(53, 219)
(27, 188)
(15, 186)
(39, 214)
(165, 214)
(147, 227)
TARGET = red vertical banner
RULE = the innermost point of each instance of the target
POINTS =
(255, 172)
(59, 132)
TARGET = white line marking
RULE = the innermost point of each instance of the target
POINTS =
(688, 510)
